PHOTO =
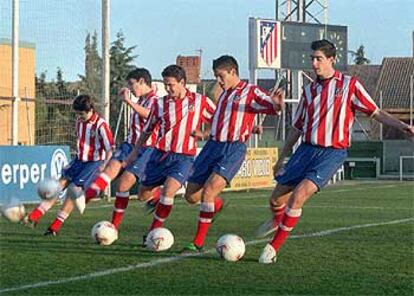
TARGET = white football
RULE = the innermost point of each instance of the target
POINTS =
(48, 188)
(230, 247)
(13, 211)
(159, 239)
(104, 233)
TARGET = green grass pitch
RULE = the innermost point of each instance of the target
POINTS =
(363, 244)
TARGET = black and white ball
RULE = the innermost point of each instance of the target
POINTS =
(104, 233)
(159, 239)
(230, 247)
(13, 210)
(48, 188)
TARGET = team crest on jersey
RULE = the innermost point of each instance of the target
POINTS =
(339, 92)
(237, 98)
(93, 133)
(191, 108)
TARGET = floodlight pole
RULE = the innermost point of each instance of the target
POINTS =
(15, 74)
(411, 99)
(106, 66)
(253, 80)
(105, 58)
(381, 126)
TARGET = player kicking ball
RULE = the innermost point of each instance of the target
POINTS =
(323, 120)
(94, 148)
(222, 156)
(139, 83)
(179, 115)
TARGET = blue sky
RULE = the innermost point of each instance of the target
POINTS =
(163, 29)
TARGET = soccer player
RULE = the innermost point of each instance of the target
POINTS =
(139, 83)
(95, 144)
(224, 153)
(324, 120)
(179, 114)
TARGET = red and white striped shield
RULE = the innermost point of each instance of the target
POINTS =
(268, 41)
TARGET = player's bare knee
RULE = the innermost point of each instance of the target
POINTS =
(168, 192)
(144, 195)
(113, 168)
(193, 198)
(275, 203)
(123, 187)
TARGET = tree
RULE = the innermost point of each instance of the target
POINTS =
(359, 56)
(121, 64)
(91, 81)
(61, 84)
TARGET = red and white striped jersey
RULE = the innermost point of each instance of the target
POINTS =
(236, 109)
(94, 138)
(137, 123)
(177, 119)
(327, 108)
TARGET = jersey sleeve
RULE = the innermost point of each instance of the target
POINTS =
(261, 102)
(362, 101)
(107, 137)
(208, 110)
(299, 118)
(153, 119)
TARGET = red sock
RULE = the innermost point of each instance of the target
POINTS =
(163, 210)
(36, 214)
(218, 204)
(121, 203)
(155, 198)
(157, 194)
(58, 222)
(278, 213)
(97, 186)
(204, 222)
(289, 221)
(39, 211)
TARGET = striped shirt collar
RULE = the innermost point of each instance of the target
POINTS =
(337, 75)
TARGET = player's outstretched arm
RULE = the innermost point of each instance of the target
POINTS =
(278, 99)
(387, 119)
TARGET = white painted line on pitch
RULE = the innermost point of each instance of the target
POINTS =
(335, 230)
(333, 207)
(180, 257)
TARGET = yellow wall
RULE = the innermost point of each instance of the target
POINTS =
(26, 89)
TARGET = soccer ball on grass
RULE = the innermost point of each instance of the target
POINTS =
(159, 239)
(230, 247)
(104, 233)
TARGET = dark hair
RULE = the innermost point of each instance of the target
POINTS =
(327, 47)
(83, 103)
(139, 73)
(226, 62)
(174, 71)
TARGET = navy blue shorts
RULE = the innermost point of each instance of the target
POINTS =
(138, 166)
(317, 164)
(122, 152)
(82, 173)
(222, 158)
(167, 164)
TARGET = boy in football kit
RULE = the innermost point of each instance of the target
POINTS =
(139, 83)
(224, 153)
(94, 148)
(324, 120)
(179, 115)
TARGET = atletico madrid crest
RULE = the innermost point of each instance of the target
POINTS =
(268, 42)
